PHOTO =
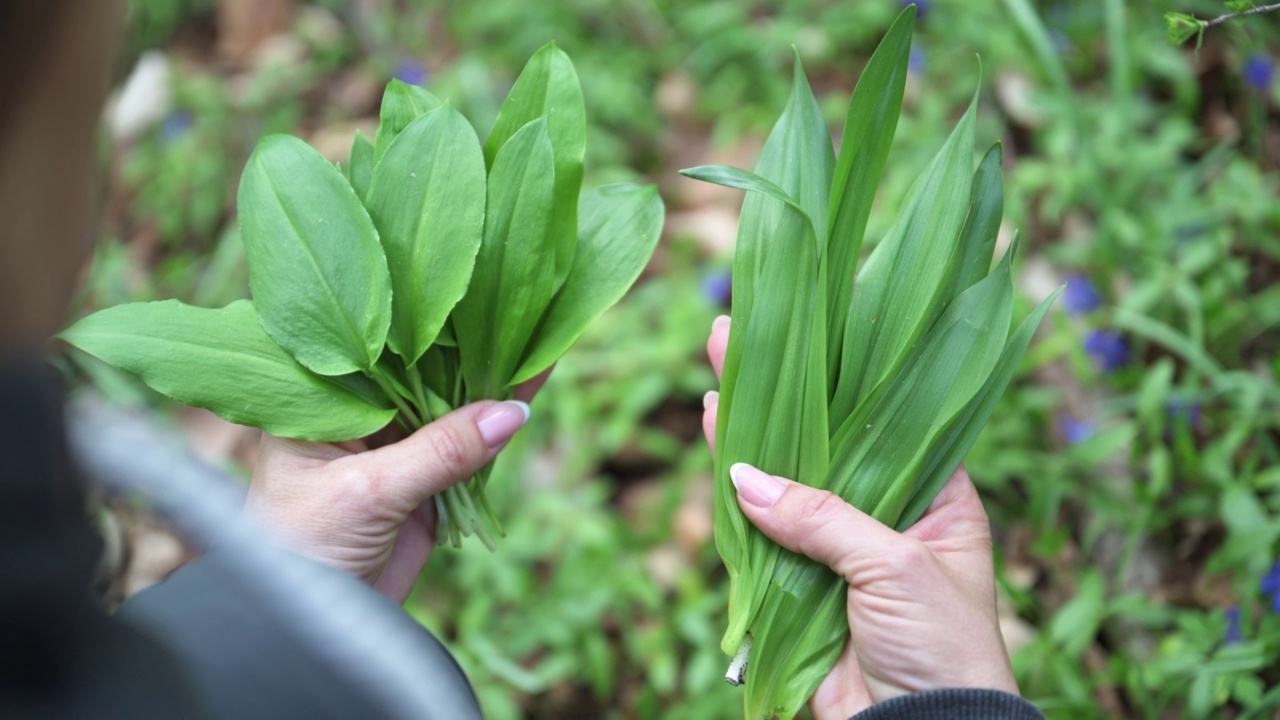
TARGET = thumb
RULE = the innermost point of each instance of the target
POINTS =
(813, 522)
(447, 450)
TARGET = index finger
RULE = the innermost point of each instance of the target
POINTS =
(717, 343)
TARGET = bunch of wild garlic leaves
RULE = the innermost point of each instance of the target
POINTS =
(873, 389)
(435, 273)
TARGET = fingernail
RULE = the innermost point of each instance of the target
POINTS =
(498, 423)
(711, 398)
(721, 321)
(758, 488)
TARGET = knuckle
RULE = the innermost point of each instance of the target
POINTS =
(910, 555)
(819, 507)
(450, 450)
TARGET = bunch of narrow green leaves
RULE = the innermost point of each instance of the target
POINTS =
(435, 273)
(873, 389)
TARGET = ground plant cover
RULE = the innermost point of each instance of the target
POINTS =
(1131, 469)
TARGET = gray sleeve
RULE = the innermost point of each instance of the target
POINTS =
(248, 662)
(954, 704)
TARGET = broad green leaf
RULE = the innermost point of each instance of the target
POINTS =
(897, 293)
(978, 237)
(427, 202)
(361, 165)
(619, 226)
(868, 133)
(222, 360)
(548, 87)
(401, 105)
(317, 271)
(946, 453)
(514, 277)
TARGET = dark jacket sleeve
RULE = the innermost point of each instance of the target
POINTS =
(248, 662)
(207, 643)
(955, 704)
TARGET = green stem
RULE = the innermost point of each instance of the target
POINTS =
(415, 383)
(389, 389)
(1232, 16)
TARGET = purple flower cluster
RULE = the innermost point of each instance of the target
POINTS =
(916, 60)
(922, 7)
(1107, 348)
(717, 286)
(1271, 587)
(1259, 71)
(1081, 296)
(1233, 634)
(411, 72)
(1076, 431)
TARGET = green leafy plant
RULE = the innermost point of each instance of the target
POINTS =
(873, 389)
(436, 272)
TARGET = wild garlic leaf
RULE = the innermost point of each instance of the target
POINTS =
(427, 202)
(401, 105)
(896, 296)
(548, 87)
(619, 226)
(318, 273)
(981, 227)
(869, 125)
(778, 317)
(222, 360)
(513, 279)
(360, 167)
(946, 453)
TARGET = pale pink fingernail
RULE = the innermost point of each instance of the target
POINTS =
(756, 487)
(720, 323)
(499, 422)
(711, 398)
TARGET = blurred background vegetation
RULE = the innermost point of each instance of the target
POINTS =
(1132, 473)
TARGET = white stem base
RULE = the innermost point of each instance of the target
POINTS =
(738, 667)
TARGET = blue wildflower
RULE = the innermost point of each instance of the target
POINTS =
(922, 7)
(1259, 71)
(1271, 586)
(1081, 296)
(1233, 634)
(1076, 431)
(916, 61)
(175, 127)
(1107, 348)
(1185, 410)
(717, 286)
(411, 72)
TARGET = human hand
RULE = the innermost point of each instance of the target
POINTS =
(921, 604)
(369, 512)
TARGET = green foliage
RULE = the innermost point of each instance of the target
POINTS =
(339, 282)
(925, 327)
(1130, 165)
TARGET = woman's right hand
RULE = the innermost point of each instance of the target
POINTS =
(921, 604)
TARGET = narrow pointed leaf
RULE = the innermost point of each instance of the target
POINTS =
(868, 133)
(360, 170)
(427, 201)
(769, 367)
(876, 456)
(946, 454)
(619, 228)
(548, 87)
(317, 271)
(513, 280)
(981, 227)
(401, 105)
(222, 360)
(898, 291)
